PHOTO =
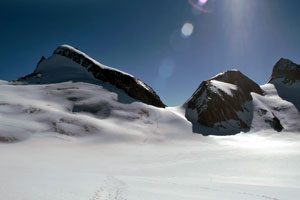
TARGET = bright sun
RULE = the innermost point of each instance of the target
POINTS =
(202, 1)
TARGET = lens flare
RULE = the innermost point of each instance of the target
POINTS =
(187, 30)
(200, 5)
(202, 2)
(166, 68)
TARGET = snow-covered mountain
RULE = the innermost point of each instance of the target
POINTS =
(70, 64)
(224, 105)
(230, 102)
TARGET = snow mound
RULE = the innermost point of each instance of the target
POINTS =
(69, 109)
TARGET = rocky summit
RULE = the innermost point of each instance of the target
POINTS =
(223, 105)
(285, 71)
(69, 64)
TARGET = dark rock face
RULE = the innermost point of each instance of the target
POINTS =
(8, 139)
(132, 86)
(245, 85)
(41, 60)
(285, 71)
(219, 110)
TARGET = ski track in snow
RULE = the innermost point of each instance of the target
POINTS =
(113, 189)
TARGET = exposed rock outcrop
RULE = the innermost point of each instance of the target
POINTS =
(131, 85)
(275, 123)
(8, 139)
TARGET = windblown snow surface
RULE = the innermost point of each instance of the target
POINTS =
(75, 141)
(225, 87)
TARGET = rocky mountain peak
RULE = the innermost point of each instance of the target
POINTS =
(285, 71)
(222, 104)
(235, 77)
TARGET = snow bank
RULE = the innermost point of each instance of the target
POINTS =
(82, 109)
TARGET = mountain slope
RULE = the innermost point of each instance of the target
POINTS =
(70, 64)
(81, 109)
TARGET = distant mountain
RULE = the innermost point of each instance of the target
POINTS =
(223, 105)
(286, 78)
(285, 71)
(70, 64)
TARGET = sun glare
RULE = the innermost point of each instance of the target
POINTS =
(202, 2)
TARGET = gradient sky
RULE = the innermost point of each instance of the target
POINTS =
(145, 38)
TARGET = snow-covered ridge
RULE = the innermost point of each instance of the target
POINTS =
(83, 59)
(69, 64)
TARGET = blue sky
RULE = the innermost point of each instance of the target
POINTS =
(145, 38)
